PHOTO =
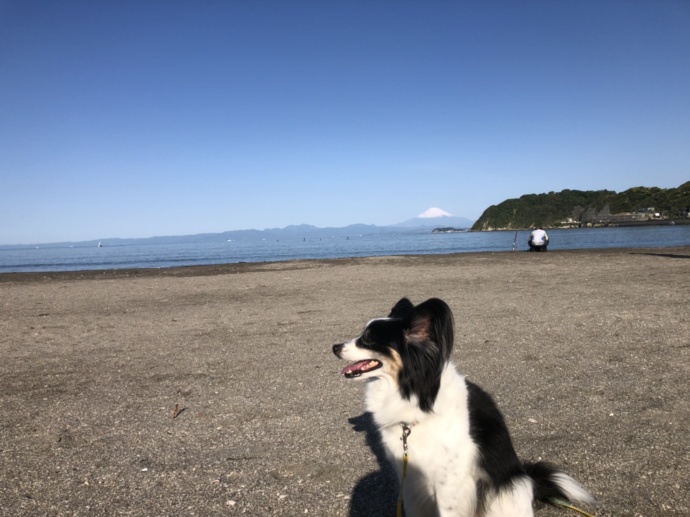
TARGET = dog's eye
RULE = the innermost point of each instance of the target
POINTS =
(366, 339)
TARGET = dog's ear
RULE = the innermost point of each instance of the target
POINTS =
(432, 321)
(428, 342)
(401, 309)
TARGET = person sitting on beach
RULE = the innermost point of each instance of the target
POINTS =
(538, 240)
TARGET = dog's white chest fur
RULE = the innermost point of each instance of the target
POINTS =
(441, 454)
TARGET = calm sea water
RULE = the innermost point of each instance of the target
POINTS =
(151, 255)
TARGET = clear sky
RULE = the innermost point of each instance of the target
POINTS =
(141, 118)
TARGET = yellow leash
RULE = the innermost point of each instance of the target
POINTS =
(405, 433)
(569, 506)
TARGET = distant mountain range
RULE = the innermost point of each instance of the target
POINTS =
(568, 208)
(432, 218)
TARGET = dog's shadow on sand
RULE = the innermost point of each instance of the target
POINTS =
(376, 493)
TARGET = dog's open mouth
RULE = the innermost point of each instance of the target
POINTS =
(358, 368)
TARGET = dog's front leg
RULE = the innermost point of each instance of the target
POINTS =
(456, 500)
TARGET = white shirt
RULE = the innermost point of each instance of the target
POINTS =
(538, 237)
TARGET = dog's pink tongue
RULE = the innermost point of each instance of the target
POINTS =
(353, 368)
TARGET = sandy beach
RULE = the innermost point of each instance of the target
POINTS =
(213, 390)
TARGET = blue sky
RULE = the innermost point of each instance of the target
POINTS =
(141, 118)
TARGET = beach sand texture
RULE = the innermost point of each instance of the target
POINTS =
(586, 352)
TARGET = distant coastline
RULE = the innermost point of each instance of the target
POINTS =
(568, 226)
(449, 229)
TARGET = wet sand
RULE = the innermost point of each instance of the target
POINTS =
(586, 352)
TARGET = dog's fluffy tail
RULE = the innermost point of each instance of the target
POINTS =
(551, 483)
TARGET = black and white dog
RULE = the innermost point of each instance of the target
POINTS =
(461, 459)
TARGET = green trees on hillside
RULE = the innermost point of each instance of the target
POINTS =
(573, 207)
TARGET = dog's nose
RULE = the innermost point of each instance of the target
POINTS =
(337, 349)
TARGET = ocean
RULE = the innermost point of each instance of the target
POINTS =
(145, 254)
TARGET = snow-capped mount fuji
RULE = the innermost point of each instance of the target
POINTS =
(435, 218)
(434, 212)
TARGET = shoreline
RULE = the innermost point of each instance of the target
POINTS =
(247, 267)
(584, 226)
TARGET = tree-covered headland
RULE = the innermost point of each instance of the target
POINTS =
(574, 208)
